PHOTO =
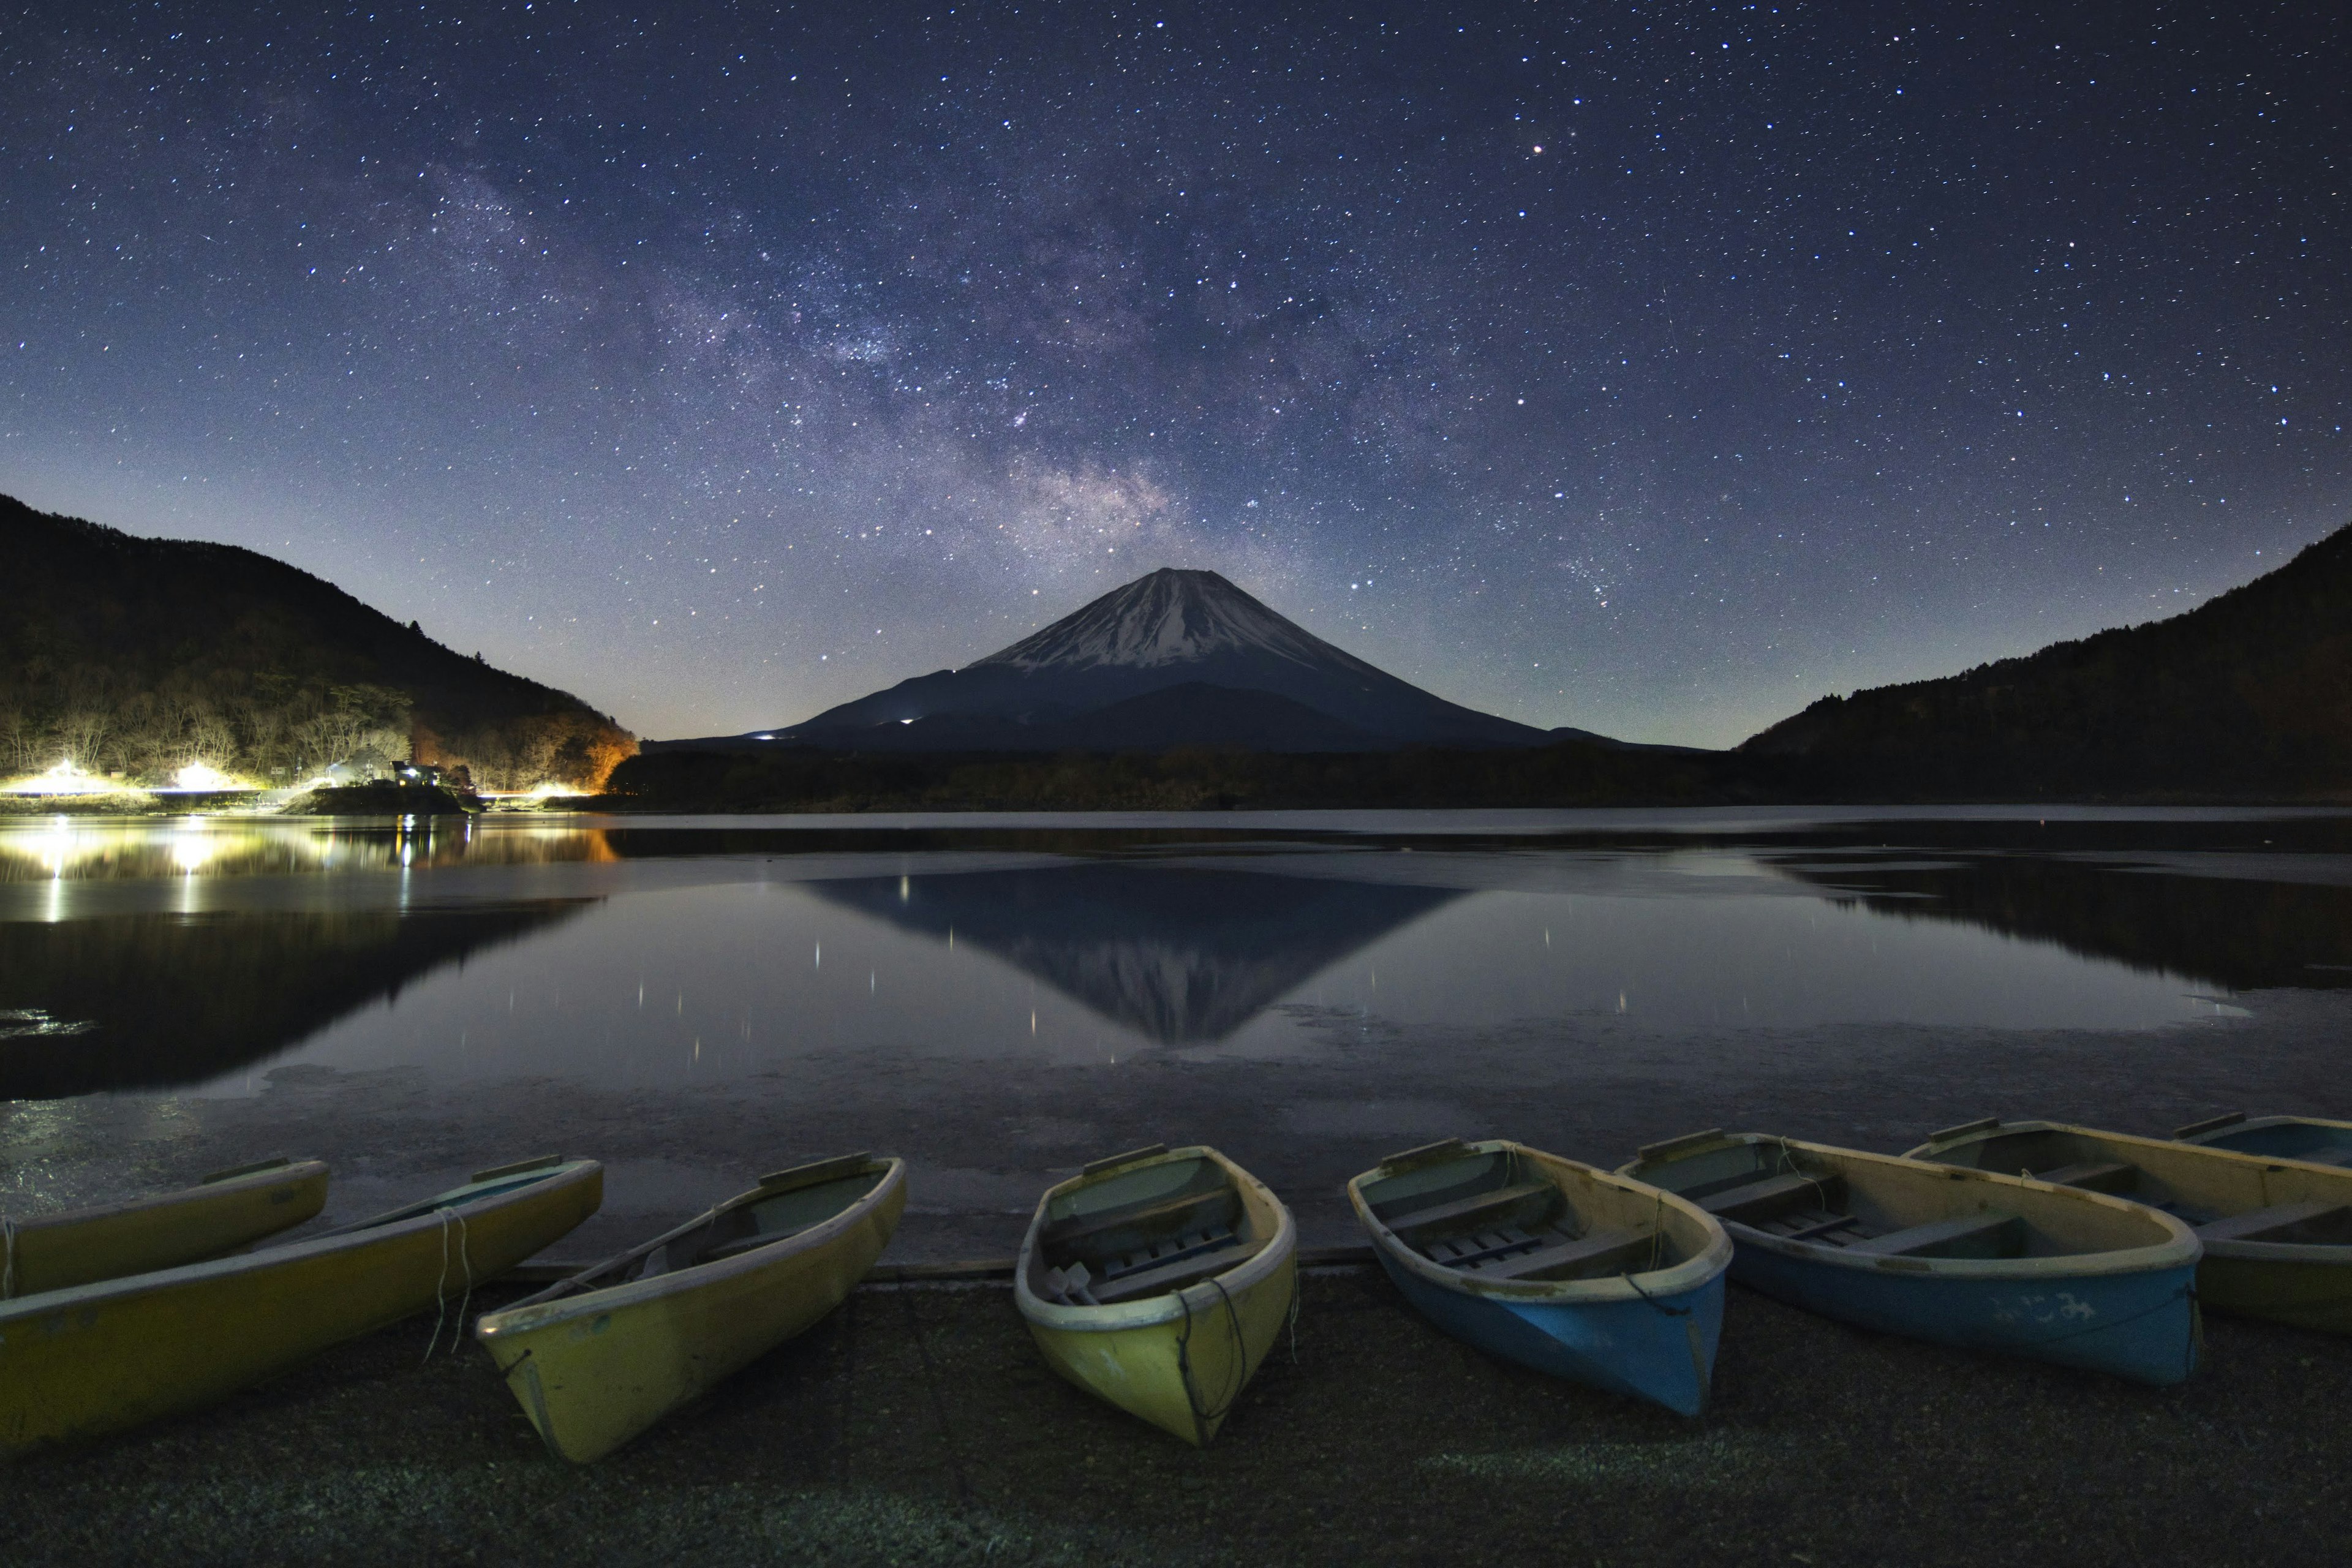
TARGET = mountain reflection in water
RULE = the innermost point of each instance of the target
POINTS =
(160, 1001)
(1175, 955)
(2234, 933)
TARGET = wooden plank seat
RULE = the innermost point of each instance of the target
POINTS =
(1462, 1211)
(1814, 1224)
(1174, 1276)
(1175, 1250)
(1759, 1198)
(2097, 1175)
(2273, 1224)
(1985, 1232)
(1595, 1252)
(1462, 1250)
(1188, 1212)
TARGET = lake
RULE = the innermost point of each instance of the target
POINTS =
(1001, 998)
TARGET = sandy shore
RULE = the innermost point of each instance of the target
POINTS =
(918, 1426)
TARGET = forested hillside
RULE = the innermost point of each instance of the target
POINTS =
(141, 656)
(2247, 696)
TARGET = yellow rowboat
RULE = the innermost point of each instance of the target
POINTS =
(2277, 1233)
(598, 1358)
(94, 1359)
(227, 1210)
(1158, 1280)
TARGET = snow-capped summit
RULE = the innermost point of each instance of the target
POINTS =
(1168, 617)
(1171, 659)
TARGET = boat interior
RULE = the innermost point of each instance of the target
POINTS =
(1783, 1192)
(1499, 1214)
(2158, 1178)
(2282, 1137)
(783, 1206)
(1144, 1231)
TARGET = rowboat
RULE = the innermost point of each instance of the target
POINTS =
(97, 1357)
(1557, 1266)
(1158, 1279)
(2277, 1233)
(222, 1212)
(1958, 1256)
(598, 1358)
(2311, 1138)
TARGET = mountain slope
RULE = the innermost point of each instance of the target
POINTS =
(1166, 630)
(140, 655)
(2249, 694)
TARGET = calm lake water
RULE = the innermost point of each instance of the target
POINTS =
(1001, 998)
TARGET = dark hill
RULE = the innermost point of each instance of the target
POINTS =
(142, 655)
(2248, 696)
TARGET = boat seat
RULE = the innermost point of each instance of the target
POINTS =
(1188, 1212)
(1462, 1209)
(1771, 1191)
(1595, 1252)
(1175, 1250)
(1173, 1275)
(1813, 1225)
(2267, 1225)
(1984, 1234)
(1461, 1249)
(2097, 1175)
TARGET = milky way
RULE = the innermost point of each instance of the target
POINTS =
(1652, 369)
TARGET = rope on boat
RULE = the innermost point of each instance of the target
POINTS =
(1184, 1357)
(440, 1286)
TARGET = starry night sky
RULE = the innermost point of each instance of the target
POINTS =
(1650, 368)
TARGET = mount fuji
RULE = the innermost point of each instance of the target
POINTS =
(1173, 659)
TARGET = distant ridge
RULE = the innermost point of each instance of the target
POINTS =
(1174, 657)
(2249, 694)
(140, 655)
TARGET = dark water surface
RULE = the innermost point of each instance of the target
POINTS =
(1001, 998)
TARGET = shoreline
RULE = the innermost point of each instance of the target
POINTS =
(918, 1426)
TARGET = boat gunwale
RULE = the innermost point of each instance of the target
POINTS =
(552, 1306)
(1280, 1249)
(1690, 1274)
(2181, 1249)
(292, 1172)
(347, 1238)
(2334, 1252)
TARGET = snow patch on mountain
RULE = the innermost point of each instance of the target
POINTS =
(1168, 617)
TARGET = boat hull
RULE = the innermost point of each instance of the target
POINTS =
(58, 1252)
(2305, 1283)
(2141, 1326)
(1182, 1359)
(2304, 1292)
(82, 1363)
(594, 1370)
(1661, 1350)
(1182, 1373)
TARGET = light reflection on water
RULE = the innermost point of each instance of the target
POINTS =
(191, 952)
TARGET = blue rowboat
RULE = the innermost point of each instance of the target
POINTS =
(1554, 1265)
(2308, 1138)
(2277, 1233)
(1958, 1256)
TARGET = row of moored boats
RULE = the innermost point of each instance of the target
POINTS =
(1159, 1279)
